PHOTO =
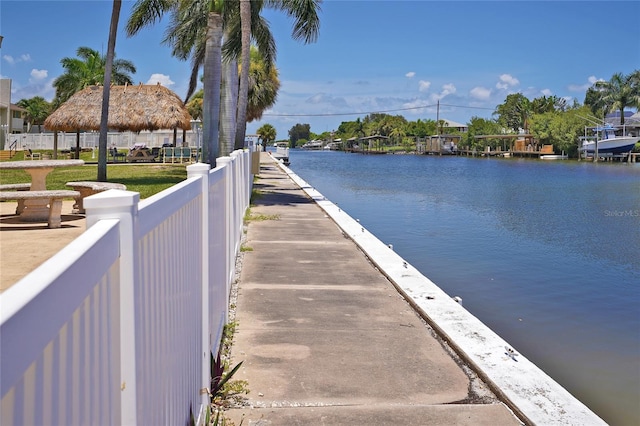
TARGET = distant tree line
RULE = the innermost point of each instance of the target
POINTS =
(550, 119)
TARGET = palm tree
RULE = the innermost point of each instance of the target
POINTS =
(618, 93)
(306, 27)
(88, 69)
(194, 105)
(263, 89)
(263, 86)
(243, 92)
(195, 32)
(106, 92)
(267, 133)
(397, 135)
(634, 82)
(37, 109)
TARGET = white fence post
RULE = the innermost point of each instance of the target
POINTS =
(227, 162)
(123, 205)
(238, 198)
(202, 170)
(249, 175)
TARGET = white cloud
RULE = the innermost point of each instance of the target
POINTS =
(38, 74)
(160, 78)
(582, 87)
(506, 81)
(324, 99)
(480, 93)
(41, 87)
(25, 57)
(448, 89)
(423, 86)
(410, 74)
(546, 92)
(316, 99)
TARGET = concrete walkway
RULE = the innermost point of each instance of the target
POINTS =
(326, 338)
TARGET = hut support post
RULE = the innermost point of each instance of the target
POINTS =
(76, 154)
(55, 145)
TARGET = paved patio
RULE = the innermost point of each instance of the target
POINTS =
(26, 245)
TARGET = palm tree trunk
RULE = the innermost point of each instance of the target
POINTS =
(104, 119)
(243, 96)
(228, 106)
(211, 89)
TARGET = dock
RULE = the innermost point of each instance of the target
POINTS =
(333, 327)
(281, 154)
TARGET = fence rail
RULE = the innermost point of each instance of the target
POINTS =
(118, 327)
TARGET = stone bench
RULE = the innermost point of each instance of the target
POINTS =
(86, 188)
(54, 199)
(17, 187)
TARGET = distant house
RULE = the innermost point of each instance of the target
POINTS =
(449, 125)
(631, 121)
(251, 140)
(11, 120)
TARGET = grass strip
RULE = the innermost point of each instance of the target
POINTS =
(147, 179)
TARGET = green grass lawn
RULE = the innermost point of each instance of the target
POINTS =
(147, 179)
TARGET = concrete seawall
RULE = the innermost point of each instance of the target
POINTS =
(524, 387)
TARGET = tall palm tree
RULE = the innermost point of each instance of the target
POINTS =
(263, 89)
(195, 33)
(306, 27)
(106, 92)
(243, 90)
(228, 105)
(617, 94)
(88, 69)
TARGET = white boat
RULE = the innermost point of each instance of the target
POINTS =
(608, 142)
(313, 145)
(554, 157)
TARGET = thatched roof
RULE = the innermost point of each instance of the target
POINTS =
(134, 108)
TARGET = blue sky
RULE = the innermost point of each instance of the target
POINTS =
(399, 57)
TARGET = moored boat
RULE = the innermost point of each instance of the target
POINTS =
(554, 157)
(607, 142)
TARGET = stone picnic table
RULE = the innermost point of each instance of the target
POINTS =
(36, 209)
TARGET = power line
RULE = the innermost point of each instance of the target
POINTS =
(373, 112)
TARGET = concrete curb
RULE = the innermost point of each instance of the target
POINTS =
(525, 388)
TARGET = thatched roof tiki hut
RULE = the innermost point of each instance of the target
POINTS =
(131, 108)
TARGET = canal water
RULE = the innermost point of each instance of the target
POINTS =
(545, 253)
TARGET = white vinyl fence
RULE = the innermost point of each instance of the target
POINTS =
(118, 327)
(68, 140)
